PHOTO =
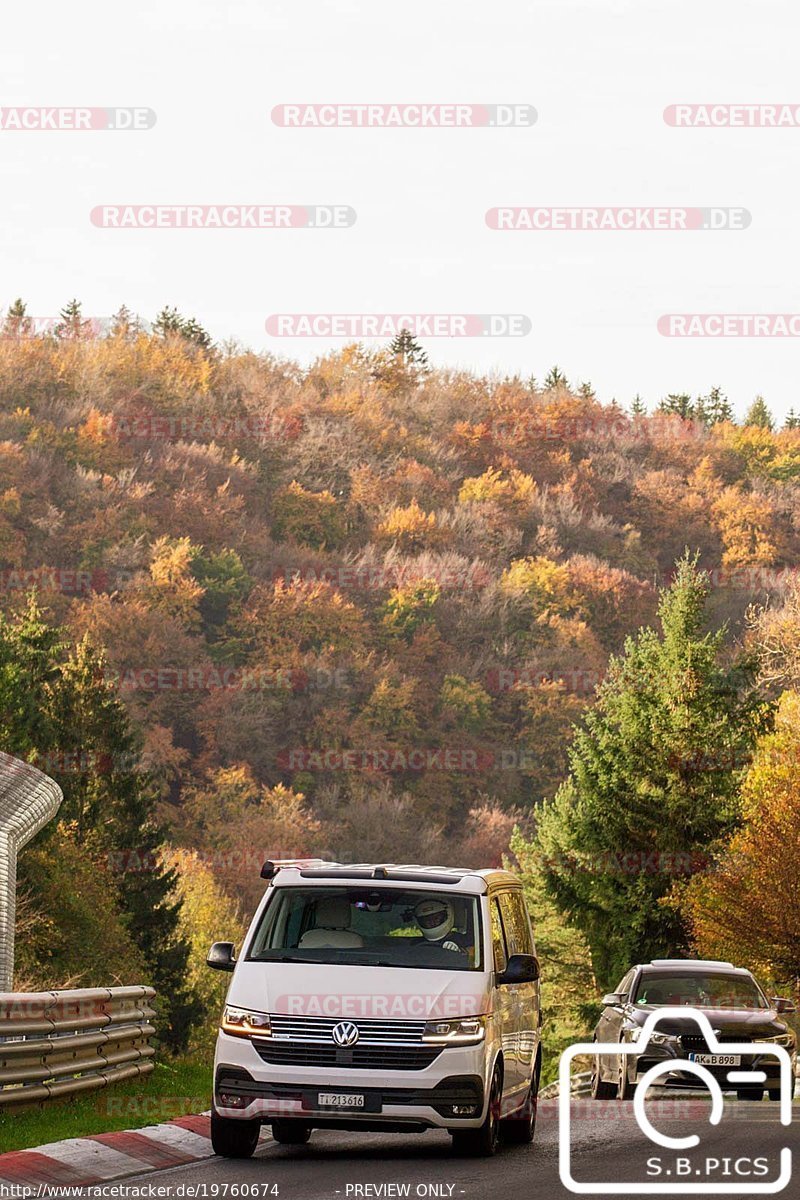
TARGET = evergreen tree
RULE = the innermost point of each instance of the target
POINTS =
(555, 378)
(715, 407)
(17, 323)
(638, 406)
(170, 322)
(406, 347)
(759, 415)
(678, 404)
(792, 420)
(653, 783)
(58, 710)
(71, 326)
(125, 324)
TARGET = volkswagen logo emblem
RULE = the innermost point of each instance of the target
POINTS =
(345, 1033)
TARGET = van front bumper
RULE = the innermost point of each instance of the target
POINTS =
(450, 1093)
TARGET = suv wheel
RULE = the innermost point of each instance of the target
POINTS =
(483, 1142)
(750, 1093)
(291, 1133)
(625, 1088)
(520, 1127)
(233, 1139)
(600, 1090)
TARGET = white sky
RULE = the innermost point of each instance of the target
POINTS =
(599, 72)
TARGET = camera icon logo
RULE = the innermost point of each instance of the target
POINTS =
(735, 1077)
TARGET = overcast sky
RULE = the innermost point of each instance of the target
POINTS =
(598, 72)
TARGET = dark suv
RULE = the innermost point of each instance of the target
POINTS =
(729, 996)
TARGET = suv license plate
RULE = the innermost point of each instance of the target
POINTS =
(716, 1060)
(341, 1099)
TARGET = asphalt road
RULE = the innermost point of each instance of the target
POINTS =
(606, 1146)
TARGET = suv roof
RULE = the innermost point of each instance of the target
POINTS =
(288, 871)
(689, 964)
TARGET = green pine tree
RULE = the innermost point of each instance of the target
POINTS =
(71, 326)
(653, 783)
(678, 404)
(792, 420)
(638, 406)
(406, 347)
(17, 323)
(555, 379)
(759, 415)
(59, 711)
(715, 407)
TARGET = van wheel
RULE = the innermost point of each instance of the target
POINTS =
(520, 1127)
(600, 1090)
(233, 1139)
(774, 1095)
(291, 1133)
(483, 1142)
(750, 1093)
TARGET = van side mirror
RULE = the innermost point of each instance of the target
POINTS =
(782, 1005)
(222, 956)
(615, 1000)
(520, 968)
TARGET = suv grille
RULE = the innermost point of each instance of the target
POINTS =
(696, 1043)
(370, 1032)
(359, 1057)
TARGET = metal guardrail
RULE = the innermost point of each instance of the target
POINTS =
(28, 800)
(55, 1044)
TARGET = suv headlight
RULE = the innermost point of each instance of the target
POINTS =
(243, 1022)
(783, 1039)
(664, 1039)
(466, 1032)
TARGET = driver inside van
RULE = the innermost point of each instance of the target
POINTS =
(436, 920)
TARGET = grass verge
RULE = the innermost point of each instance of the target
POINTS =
(174, 1089)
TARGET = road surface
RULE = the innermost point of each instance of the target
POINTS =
(607, 1146)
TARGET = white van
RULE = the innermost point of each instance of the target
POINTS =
(380, 998)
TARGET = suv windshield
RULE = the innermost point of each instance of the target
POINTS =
(388, 927)
(700, 990)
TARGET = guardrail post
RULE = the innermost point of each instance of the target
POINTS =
(28, 800)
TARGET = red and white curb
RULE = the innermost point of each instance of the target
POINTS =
(104, 1156)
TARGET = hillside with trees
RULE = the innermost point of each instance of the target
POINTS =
(358, 609)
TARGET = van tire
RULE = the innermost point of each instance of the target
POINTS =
(520, 1128)
(750, 1093)
(291, 1132)
(233, 1139)
(483, 1142)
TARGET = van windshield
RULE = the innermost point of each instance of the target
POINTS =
(387, 927)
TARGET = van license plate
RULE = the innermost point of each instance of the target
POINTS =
(716, 1060)
(341, 1099)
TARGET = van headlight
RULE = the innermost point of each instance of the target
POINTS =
(466, 1032)
(243, 1022)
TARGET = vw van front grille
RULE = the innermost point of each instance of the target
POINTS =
(319, 1030)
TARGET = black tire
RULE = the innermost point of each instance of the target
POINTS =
(750, 1093)
(233, 1139)
(483, 1142)
(520, 1128)
(600, 1090)
(774, 1095)
(625, 1088)
(290, 1132)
